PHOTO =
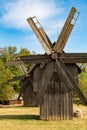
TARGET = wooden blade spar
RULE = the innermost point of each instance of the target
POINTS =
(41, 35)
(13, 63)
(67, 77)
(17, 78)
(74, 57)
(23, 69)
(37, 59)
(67, 28)
(65, 38)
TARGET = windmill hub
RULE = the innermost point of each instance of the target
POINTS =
(55, 56)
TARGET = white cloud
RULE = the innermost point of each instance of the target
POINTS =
(17, 11)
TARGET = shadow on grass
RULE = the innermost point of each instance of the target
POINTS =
(11, 106)
(15, 106)
(20, 117)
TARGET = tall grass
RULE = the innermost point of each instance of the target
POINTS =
(27, 118)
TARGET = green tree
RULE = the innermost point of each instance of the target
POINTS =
(24, 52)
(6, 90)
(10, 54)
(4, 54)
(83, 80)
(12, 51)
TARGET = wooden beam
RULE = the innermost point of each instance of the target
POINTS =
(36, 59)
(65, 57)
(62, 69)
(64, 39)
(20, 63)
(23, 69)
(74, 57)
(40, 35)
(45, 80)
(31, 68)
(17, 78)
(62, 35)
(22, 76)
(13, 63)
(46, 38)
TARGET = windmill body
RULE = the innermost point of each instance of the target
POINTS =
(54, 75)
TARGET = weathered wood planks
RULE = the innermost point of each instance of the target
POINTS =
(40, 35)
(59, 42)
(45, 77)
(57, 100)
(37, 59)
(69, 80)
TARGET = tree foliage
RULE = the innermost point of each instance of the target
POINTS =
(82, 82)
(83, 79)
(7, 90)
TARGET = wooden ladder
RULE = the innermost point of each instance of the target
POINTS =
(40, 33)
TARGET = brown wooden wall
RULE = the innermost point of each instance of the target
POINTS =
(57, 101)
(29, 96)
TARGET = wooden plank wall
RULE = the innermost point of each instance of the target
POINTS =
(57, 101)
(29, 96)
(56, 104)
(36, 79)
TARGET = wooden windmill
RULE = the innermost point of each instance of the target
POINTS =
(53, 71)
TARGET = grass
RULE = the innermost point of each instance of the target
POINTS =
(27, 118)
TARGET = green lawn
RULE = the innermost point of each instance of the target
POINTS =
(21, 118)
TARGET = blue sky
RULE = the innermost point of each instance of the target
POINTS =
(15, 31)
